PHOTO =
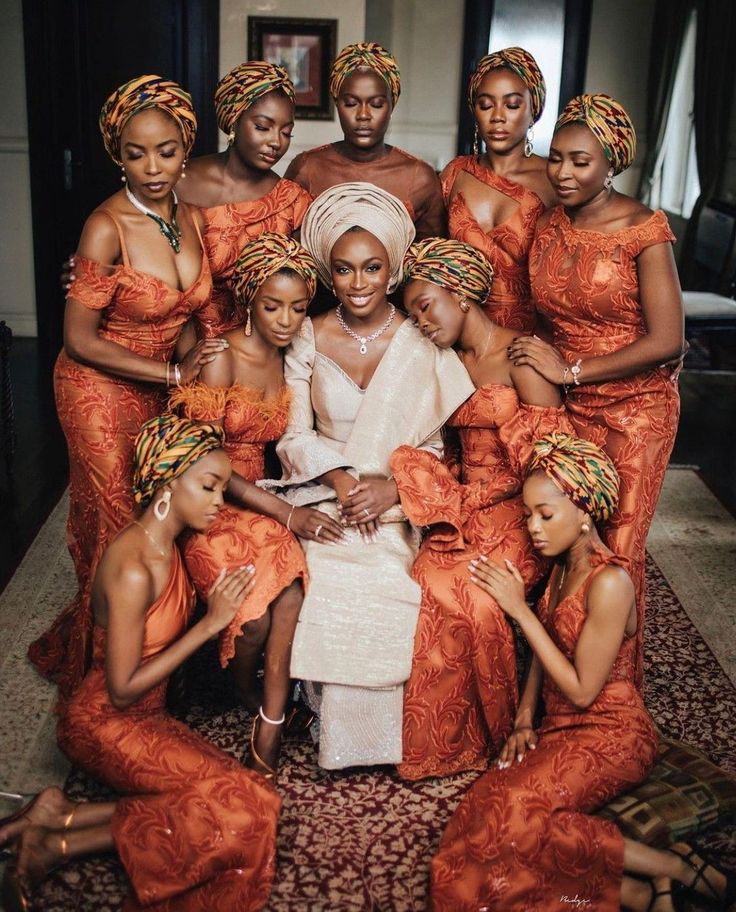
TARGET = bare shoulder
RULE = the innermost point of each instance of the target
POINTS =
(100, 240)
(632, 212)
(534, 177)
(203, 183)
(124, 577)
(611, 587)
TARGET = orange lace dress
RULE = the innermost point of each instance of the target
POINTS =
(523, 838)
(239, 536)
(199, 830)
(101, 415)
(586, 285)
(228, 228)
(461, 697)
(506, 247)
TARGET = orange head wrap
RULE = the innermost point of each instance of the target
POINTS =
(452, 265)
(139, 95)
(263, 257)
(243, 85)
(520, 62)
(608, 122)
(366, 56)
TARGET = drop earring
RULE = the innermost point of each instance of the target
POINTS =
(464, 306)
(161, 507)
(608, 182)
(123, 177)
(183, 169)
(529, 144)
(231, 137)
(248, 325)
(585, 528)
(476, 143)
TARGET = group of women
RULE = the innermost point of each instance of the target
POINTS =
(436, 464)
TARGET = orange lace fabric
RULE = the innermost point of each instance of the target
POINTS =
(506, 247)
(232, 225)
(460, 700)
(239, 536)
(101, 415)
(199, 832)
(523, 838)
(586, 285)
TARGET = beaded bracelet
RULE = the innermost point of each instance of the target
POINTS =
(575, 371)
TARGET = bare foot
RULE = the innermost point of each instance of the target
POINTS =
(39, 850)
(711, 883)
(50, 808)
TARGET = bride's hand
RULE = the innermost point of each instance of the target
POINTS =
(368, 500)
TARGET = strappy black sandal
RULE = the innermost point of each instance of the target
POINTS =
(713, 899)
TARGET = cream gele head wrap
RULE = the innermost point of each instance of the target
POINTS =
(357, 205)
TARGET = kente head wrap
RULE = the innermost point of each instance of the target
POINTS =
(366, 55)
(165, 448)
(608, 122)
(581, 470)
(239, 88)
(520, 62)
(263, 257)
(139, 95)
(360, 205)
(453, 265)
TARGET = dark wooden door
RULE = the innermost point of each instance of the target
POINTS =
(77, 53)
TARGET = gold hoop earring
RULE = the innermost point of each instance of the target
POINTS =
(161, 507)
(529, 144)
(248, 325)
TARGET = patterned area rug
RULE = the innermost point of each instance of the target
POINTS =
(362, 840)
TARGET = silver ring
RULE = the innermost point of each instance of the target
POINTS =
(317, 531)
(366, 511)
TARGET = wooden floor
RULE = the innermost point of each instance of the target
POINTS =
(40, 469)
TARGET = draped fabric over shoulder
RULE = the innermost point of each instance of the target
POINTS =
(228, 228)
(101, 415)
(357, 622)
(586, 285)
(460, 700)
(198, 831)
(505, 246)
(238, 537)
(523, 837)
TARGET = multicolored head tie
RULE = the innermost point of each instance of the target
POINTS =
(239, 88)
(263, 257)
(453, 265)
(357, 205)
(581, 470)
(139, 95)
(366, 56)
(518, 61)
(165, 448)
(608, 122)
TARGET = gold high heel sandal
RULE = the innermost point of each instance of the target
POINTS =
(257, 762)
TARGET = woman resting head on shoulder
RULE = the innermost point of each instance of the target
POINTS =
(115, 726)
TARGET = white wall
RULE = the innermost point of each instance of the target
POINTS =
(234, 50)
(618, 64)
(17, 290)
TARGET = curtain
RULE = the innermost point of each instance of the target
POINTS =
(715, 72)
(668, 30)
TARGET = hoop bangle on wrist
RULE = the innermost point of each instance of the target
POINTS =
(288, 520)
(177, 375)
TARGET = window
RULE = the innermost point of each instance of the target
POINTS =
(675, 185)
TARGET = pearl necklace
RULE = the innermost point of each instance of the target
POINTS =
(364, 340)
(171, 231)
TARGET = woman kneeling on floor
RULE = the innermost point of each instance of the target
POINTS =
(198, 827)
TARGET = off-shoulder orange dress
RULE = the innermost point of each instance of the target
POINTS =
(199, 830)
(506, 246)
(101, 415)
(523, 838)
(239, 536)
(461, 697)
(228, 228)
(586, 285)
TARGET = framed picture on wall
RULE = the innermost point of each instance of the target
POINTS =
(306, 49)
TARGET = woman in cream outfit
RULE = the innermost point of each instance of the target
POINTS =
(364, 381)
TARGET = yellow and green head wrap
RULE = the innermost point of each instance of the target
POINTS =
(239, 88)
(165, 448)
(263, 257)
(366, 56)
(581, 470)
(452, 265)
(608, 122)
(520, 62)
(139, 95)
